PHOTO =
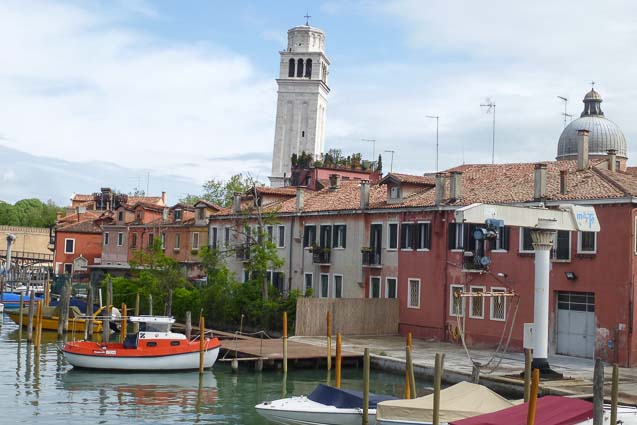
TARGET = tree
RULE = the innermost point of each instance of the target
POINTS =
(221, 192)
(379, 164)
(29, 213)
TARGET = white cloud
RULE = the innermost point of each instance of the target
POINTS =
(80, 85)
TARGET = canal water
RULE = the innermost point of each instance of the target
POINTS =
(49, 391)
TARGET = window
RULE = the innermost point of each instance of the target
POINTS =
(526, 242)
(309, 281)
(139, 215)
(120, 238)
(106, 237)
(325, 285)
(299, 68)
(498, 305)
(338, 286)
(246, 276)
(587, 242)
(177, 214)
(281, 238)
(308, 68)
(477, 302)
(133, 242)
(458, 236)
(407, 236)
(502, 242)
(374, 287)
(213, 235)
(201, 213)
(69, 246)
(150, 239)
(226, 236)
(390, 287)
(562, 246)
(326, 236)
(309, 235)
(393, 235)
(423, 235)
(413, 293)
(120, 215)
(177, 240)
(163, 241)
(270, 232)
(291, 66)
(195, 240)
(340, 235)
(456, 302)
(68, 268)
(394, 192)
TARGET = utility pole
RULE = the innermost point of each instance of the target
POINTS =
(490, 105)
(437, 118)
(391, 164)
(373, 141)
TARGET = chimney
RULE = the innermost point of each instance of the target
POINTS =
(236, 202)
(300, 199)
(455, 186)
(364, 194)
(441, 188)
(612, 159)
(582, 150)
(563, 182)
(163, 198)
(335, 181)
(539, 186)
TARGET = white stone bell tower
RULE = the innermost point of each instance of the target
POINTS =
(302, 100)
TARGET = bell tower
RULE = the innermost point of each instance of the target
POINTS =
(302, 100)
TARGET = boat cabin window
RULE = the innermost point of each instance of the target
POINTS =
(174, 343)
(151, 344)
(154, 327)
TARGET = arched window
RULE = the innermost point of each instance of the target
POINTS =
(308, 68)
(291, 68)
(299, 68)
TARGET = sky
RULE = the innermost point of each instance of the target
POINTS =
(187, 89)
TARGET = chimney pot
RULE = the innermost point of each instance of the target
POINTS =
(441, 188)
(612, 159)
(365, 188)
(300, 199)
(582, 150)
(539, 187)
(455, 186)
(236, 202)
(563, 182)
(163, 198)
(335, 181)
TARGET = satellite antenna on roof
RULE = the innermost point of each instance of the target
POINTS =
(566, 114)
(490, 105)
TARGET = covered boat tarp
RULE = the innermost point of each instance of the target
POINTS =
(344, 399)
(550, 410)
(459, 401)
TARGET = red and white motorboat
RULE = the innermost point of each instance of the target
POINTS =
(153, 348)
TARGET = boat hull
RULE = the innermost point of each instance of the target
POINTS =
(301, 411)
(51, 323)
(183, 361)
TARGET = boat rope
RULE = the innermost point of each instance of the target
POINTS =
(499, 352)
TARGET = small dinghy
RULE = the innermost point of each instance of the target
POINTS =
(326, 405)
(153, 348)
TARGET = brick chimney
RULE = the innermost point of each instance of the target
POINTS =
(335, 181)
(236, 202)
(365, 189)
(612, 159)
(539, 186)
(563, 182)
(300, 199)
(163, 198)
(455, 186)
(441, 188)
(582, 150)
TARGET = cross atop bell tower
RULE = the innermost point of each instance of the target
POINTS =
(302, 100)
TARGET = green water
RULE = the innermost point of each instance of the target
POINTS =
(49, 391)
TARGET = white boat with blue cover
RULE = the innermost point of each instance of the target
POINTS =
(326, 405)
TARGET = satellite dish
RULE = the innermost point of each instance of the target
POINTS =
(485, 261)
(479, 234)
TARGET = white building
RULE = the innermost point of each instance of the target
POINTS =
(302, 100)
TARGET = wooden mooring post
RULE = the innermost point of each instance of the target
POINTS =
(137, 313)
(20, 313)
(407, 378)
(150, 304)
(188, 325)
(437, 385)
(31, 313)
(598, 392)
(530, 418)
(123, 330)
(89, 312)
(329, 340)
(366, 387)
(285, 342)
(202, 343)
(339, 352)
(169, 307)
(107, 315)
(614, 392)
(528, 359)
(410, 372)
(38, 329)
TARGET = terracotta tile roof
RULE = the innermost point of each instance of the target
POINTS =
(410, 179)
(284, 191)
(208, 204)
(149, 206)
(86, 226)
(151, 200)
(75, 217)
(78, 197)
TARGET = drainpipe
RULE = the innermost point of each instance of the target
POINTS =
(291, 240)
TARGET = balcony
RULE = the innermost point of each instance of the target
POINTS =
(371, 258)
(242, 252)
(321, 255)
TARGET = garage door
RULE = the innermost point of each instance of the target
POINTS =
(576, 324)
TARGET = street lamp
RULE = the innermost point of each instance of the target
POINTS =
(391, 164)
(437, 118)
(373, 141)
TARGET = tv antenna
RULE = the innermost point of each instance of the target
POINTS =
(490, 105)
(566, 114)
(437, 118)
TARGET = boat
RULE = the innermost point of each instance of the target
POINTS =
(325, 405)
(11, 300)
(153, 348)
(462, 400)
(50, 317)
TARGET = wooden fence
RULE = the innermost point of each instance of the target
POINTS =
(350, 316)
